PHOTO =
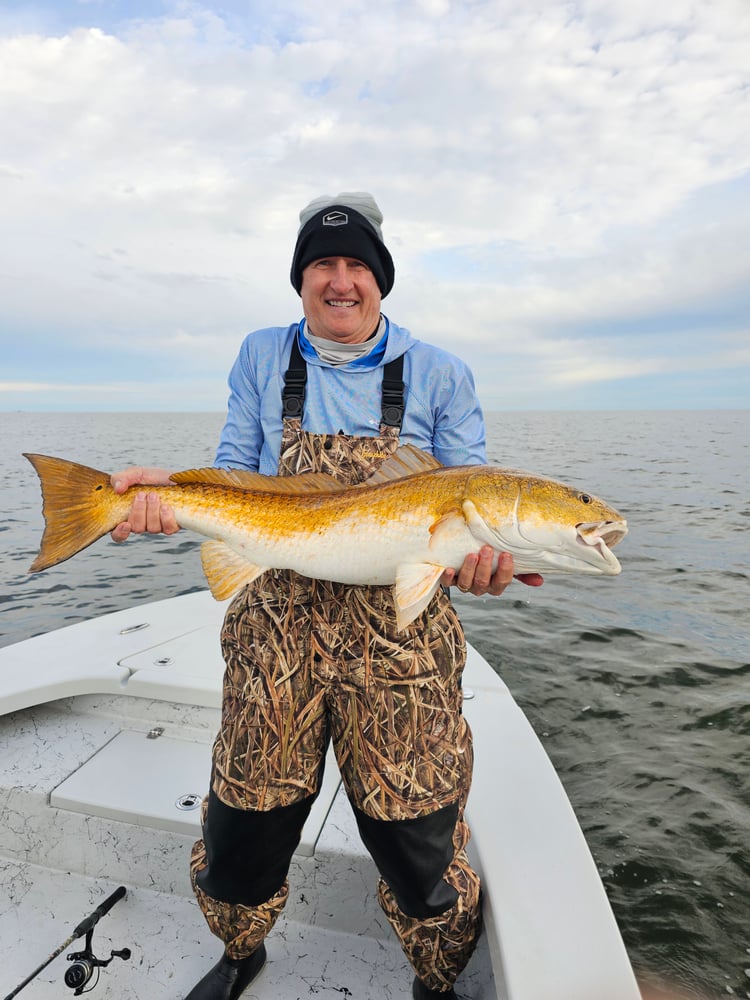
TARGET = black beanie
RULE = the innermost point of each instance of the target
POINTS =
(341, 231)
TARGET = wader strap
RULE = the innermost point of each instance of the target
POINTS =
(295, 381)
(393, 393)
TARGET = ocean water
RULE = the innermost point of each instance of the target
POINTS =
(637, 685)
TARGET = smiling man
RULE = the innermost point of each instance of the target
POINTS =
(312, 660)
(341, 299)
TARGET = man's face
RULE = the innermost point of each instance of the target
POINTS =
(340, 299)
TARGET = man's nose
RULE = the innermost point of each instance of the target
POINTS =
(341, 278)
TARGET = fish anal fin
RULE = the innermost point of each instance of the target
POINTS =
(405, 461)
(226, 570)
(308, 482)
(415, 586)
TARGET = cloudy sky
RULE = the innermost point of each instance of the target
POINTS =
(566, 190)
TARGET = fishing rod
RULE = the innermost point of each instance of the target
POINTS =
(84, 962)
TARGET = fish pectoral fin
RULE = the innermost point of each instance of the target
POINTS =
(475, 521)
(503, 536)
(306, 482)
(415, 586)
(452, 522)
(405, 461)
(226, 570)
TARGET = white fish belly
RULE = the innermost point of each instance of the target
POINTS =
(356, 550)
(351, 552)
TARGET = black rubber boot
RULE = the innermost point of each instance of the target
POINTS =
(421, 992)
(229, 977)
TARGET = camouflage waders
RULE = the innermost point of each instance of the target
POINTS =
(308, 660)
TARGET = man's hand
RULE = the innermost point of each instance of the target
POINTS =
(148, 513)
(476, 576)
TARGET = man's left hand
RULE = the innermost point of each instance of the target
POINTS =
(476, 576)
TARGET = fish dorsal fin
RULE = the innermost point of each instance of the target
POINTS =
(226, 571)
(307, 482)
(408, 460)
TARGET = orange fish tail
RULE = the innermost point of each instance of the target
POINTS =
(79, 507)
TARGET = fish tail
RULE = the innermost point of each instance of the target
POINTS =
(79, 507)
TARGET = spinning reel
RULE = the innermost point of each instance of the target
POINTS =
(85, 964)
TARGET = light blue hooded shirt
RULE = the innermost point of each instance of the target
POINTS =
(442, 414)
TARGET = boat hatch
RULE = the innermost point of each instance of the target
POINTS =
(160, 783)
(123, 652)
(187, 668)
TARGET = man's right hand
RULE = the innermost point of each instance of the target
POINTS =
(148, 513)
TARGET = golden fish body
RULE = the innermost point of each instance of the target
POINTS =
(404, 526)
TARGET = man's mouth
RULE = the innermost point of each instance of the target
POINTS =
(341, 303)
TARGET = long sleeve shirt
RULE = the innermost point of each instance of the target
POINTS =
(442, 414)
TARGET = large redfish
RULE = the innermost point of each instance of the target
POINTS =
(404, 526)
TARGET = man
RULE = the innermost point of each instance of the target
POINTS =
(337, 393)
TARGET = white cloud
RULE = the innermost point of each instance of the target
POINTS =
(540, 167)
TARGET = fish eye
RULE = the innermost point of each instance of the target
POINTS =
(584, 498)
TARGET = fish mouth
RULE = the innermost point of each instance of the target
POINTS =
(602, 536)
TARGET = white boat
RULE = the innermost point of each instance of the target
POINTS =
(105, 737)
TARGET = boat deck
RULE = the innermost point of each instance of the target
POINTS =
(332, 940)
(59, 859)
(105, 733)
(89, 803)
